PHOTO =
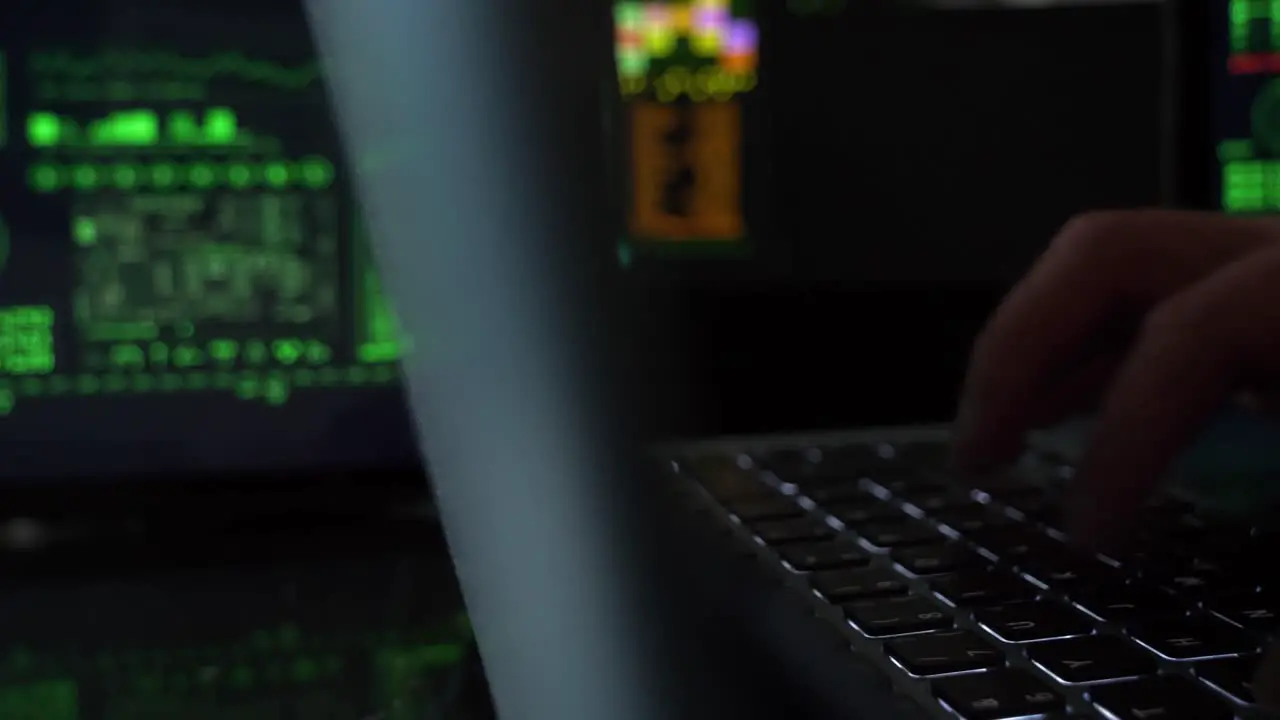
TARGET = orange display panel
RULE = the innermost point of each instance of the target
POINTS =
(686, 178)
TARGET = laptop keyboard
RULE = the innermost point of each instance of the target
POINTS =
(971, 589)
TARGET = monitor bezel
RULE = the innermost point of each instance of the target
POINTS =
(157, 494)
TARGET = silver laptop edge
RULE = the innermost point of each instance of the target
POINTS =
(485, 117)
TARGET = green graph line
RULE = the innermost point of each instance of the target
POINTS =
(232, 64)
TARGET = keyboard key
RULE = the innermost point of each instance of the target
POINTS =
(1032, 621)
(971, 519)
(910, 483)
(781, 532)
(1207, 533)
(1162, 561)
(979, 588)
(896, 616)
(856, 514)
(1167, 697)
(1123, 604)
(899, 475)
(1039, 509)
(938, 500)
(997, 695)
(1091, 658)
(1011, 543)
(941, 653)
(1147, 558)
(1066, 571)
(841, 585)
(824, 555)
(777, 507)
(1014, 492)
(1009, 489)
(937, 559)
(844, 490)
(1251, 611)
(1232, 676)
(893, 534)
(1192, 638)
(1247, 566)
(1204, 583)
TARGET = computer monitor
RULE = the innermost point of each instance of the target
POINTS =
(831, 195)
(186, 286)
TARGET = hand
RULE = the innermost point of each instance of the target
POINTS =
(1156, 319)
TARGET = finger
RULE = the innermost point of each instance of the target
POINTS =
(1077, 394)
(1099, 266)
(1195, 350)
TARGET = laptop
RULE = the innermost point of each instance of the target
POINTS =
(869, 583)
(213, 502)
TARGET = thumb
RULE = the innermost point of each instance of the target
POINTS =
(1266, 679)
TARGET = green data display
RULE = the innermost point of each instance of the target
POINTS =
(277, 671)
(211, 236)
(1247, 105)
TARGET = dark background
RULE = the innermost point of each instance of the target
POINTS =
(164, 435)
(912, 181)
(916, 160)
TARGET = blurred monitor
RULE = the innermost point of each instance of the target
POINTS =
(185, 283)
(1243, 57)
